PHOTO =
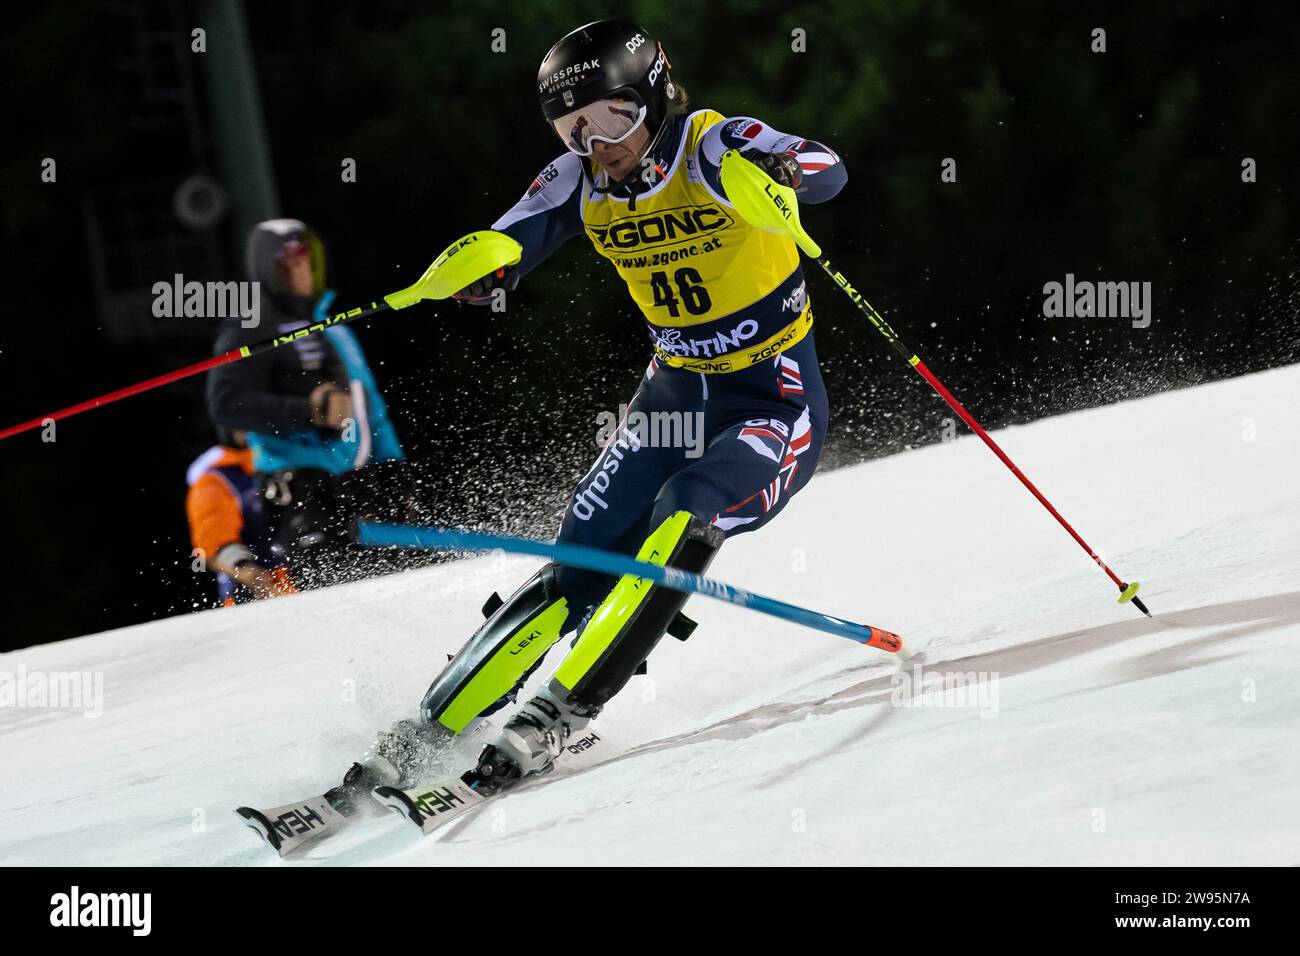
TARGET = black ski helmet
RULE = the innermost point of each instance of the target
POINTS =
(604, 60)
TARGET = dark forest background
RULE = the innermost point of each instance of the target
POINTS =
(1123, 165)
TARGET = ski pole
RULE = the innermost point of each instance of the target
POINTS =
(234, 355)
(460, 264)
(595, 559)
(764, 203)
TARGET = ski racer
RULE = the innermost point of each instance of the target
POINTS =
(730, 321)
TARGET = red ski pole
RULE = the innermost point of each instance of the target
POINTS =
(234, 355)
(1127, 591)
(461, 263)
(767, 205)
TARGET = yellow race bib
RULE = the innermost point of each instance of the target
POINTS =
(685, 254)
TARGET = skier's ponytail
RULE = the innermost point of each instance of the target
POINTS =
(680, 102)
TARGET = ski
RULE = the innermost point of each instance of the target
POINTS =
(289, 827)
(292, 826)
(434, 805)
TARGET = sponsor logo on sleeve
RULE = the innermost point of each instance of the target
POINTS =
(545, 176)
(739, 133)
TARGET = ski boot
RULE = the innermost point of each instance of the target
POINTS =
(530, 741)
(349, 796)
(401, 757)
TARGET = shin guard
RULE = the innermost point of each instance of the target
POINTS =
(500, 655)
(627, 625)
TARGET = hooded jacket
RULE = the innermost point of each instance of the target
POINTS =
(268, 395)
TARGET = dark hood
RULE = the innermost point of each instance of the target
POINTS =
(260, 258)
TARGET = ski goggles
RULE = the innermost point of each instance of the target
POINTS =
(293, 249)
(604, 121)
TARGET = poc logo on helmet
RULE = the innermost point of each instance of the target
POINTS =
(635, 43)
(657, 68)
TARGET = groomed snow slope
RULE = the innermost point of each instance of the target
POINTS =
(1105, 738)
